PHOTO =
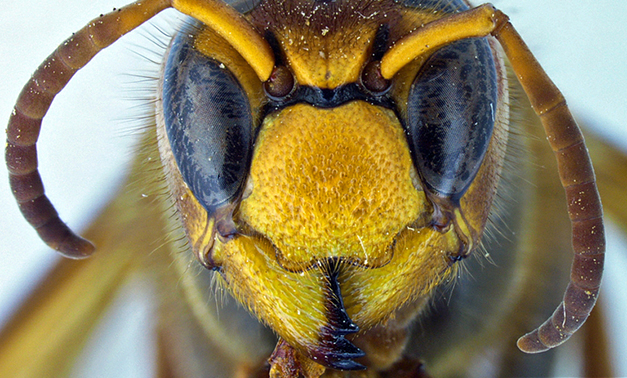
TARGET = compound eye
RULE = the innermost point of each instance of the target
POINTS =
(450, 115)
(208, 123)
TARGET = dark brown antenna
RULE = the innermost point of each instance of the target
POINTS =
(57, 70)
(577, 177)
(574, 165)
(31, 107)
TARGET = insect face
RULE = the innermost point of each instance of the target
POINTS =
(358, 201)
(332, 162)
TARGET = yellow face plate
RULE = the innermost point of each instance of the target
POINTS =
(324, 175)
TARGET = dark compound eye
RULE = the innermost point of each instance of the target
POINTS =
(450, 115)
(208, 122)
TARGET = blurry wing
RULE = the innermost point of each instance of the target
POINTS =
(199, 332)
(46, 334)
(611, 170)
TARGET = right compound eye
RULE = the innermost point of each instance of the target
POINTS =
(208, 122)
(450, 116)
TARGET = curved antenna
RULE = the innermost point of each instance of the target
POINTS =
(232, 26)
(33, 103)
(577, 177)
(477, 22)
(57, 70)
(574, 165)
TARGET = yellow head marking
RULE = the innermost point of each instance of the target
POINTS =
(233, 27)
(326, 44)
(345, 173)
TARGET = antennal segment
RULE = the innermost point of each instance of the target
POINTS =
(33, 103)
(477, 22)
(577, 177)
(564, 136)
(232, 26)
(57, 70)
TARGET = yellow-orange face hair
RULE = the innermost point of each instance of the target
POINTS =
(333, 161)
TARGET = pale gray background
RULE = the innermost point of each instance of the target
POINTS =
(88, 135)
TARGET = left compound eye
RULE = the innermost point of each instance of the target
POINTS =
(208, 123)
(450, 115)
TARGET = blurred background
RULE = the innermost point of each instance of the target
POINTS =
(88, 136)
